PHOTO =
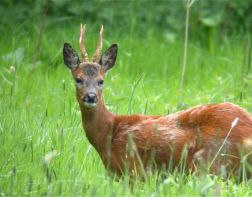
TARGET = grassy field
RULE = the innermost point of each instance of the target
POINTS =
(43, 147)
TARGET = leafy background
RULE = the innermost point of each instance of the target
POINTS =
(223, 16)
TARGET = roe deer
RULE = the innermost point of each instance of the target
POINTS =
(212, 135)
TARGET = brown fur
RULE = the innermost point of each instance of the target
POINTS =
(158, 141)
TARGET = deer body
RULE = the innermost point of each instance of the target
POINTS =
(140, 143)
(162, 139)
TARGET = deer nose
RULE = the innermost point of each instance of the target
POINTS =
(90, 98)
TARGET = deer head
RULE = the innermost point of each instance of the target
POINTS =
(89, 74)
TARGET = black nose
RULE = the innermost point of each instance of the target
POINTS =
(90, 98)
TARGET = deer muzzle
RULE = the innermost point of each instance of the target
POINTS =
(90, 100)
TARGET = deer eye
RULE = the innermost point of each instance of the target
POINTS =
(100, 82)
(79, 81)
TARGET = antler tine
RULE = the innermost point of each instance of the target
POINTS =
(82, 44)
(99, 47)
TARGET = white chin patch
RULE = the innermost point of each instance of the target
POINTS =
(89, 105)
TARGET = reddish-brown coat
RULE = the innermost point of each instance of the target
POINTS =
(139, 142)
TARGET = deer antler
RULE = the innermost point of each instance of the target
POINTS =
(99, 47)
(82, 44)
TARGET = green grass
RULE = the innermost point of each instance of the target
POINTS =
(39, 112)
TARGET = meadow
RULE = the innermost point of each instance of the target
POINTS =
(44, 150)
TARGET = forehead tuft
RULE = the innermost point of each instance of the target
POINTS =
(90, 69)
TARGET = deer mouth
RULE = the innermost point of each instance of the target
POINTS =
(89, 105)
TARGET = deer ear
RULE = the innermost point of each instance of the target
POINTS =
(108, 59)
(71, 58)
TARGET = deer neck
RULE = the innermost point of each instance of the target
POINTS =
(98, 124)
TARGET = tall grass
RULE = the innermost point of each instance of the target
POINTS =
(43, 147)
